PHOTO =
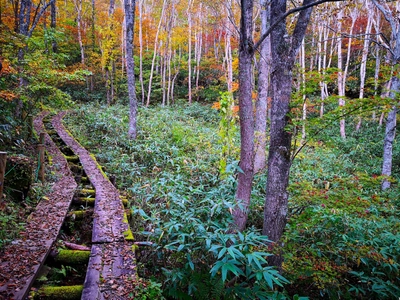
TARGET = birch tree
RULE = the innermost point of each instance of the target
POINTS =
(189, 16)
(264, 69)
(129, 6)
(364, 57)
(390, 13)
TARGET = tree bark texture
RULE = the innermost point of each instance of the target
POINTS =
(393, 47)
(264, 69)
(390, 134)
(130, 66)
(245, 176)
(284, 51)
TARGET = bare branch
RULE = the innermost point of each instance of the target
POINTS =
(288, 13)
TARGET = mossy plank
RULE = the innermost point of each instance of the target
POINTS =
(72, 257)
(84, 201)
(127, 233)
(59, 292)
(73, 158)
(85, 192)
(79, 214)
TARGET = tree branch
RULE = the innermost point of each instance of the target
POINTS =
(288, 13)
(38, 17)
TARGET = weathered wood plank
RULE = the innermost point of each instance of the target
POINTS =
(23, 258)
(111, 272)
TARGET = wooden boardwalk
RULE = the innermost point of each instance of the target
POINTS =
(111, 271)
(21, 260)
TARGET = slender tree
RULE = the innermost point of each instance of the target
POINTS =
(264, 69)
(129, 6)
(393, 48)
(245, 177)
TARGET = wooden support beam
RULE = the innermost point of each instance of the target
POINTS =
(3, 160)
(41, 162)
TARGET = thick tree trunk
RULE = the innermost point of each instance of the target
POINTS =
(245, 178)
(284, 51)
(264, 69)
(130, 66)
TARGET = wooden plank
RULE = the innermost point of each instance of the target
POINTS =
(21, 260)
(108, 216)
(3, 160)
(111, 272)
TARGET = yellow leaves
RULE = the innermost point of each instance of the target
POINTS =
(235, 86)
(216, 105)
(7, 68)
(8, 96)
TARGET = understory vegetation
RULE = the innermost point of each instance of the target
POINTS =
(342, 239)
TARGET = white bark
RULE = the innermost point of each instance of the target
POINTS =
(129, 6)
(264, 69)
(155, 53)
(365, 52)
(189, 16)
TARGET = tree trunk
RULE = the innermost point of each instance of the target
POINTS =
(141, 49)
(130, 66)
(264, 69)
(364, 58)
(284, 51)
(393, 46)
(245, 176)
(53, 24)
(155, 53)
(189, 16)
(341, 76)
(78, 8)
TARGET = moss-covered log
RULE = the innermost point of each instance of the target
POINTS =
(79, 214)
(72, 257)
(73, 292)
(84, 201)
(87, 192)
(128, 233)
(73, 158)
(90, 201)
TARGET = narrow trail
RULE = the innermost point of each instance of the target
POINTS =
(111, 271)
(112, 257)
(22, 259)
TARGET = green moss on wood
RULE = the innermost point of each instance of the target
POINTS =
(59, 292)
(86, 192)
(72, 257)
(73, 158)
(84, 201)
(127, 233)
(79, 214)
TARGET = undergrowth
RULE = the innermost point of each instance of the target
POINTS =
(341, 240)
